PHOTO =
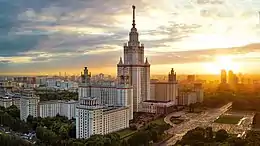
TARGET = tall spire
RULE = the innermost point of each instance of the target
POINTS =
(133, 16)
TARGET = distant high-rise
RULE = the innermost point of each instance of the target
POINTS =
(191, 78)
(223, 76)
(232, 78)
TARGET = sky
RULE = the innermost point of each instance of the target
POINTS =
(191, 36)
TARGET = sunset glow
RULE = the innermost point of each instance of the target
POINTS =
(175, 33)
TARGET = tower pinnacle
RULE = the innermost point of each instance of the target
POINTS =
(133, 16)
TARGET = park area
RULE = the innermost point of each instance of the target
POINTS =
(229, 119)
(176, 120)
(127, 133)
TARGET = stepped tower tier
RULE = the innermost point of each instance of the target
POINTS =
(137, 68)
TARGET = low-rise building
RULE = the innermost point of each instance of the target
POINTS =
(158, 107)
(94, 118)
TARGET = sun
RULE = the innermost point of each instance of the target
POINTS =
(222, 62)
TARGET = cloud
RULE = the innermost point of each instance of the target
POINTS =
(5, 61)
(53, 34)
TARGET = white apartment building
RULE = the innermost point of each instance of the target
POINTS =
(17, 102)
(108, 93)
(41, 80)
(29, 106)
(199, 91)
(8, 84)
(68, 109)
(6, 101)
(49, 108)
(165, 91)
(92, 118)
(187, 98)
(53, 107)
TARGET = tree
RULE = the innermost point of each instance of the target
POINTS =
(221, 135)
(139, 139)
(13, 111)
(29, 119)
(72, 131)
(209, 134)
(78, 144)
(64, 131)
(235, 141)
(46, 136)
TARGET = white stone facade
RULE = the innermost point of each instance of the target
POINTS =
(187, 98)
(53, 107)
(164, 91)
(49, 108)
(68, 109)
(6, 102)
(137, 69)
(92, 118)
(28, 106)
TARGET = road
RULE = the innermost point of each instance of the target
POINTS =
(15, 134)
(203, 120)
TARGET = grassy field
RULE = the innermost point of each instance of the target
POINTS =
(228, 119)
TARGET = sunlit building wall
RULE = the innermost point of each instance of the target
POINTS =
(92, 118)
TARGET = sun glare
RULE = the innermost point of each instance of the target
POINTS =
(222, 62)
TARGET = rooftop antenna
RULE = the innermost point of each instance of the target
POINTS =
(133, 16)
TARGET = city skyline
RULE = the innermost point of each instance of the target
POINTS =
(46, 37)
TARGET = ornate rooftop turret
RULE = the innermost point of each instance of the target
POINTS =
(120, 61)
(146, 61)
(172, 76)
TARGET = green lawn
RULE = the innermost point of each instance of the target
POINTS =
(159, 121)
(228, 119)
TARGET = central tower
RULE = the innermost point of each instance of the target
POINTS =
(137, 69)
